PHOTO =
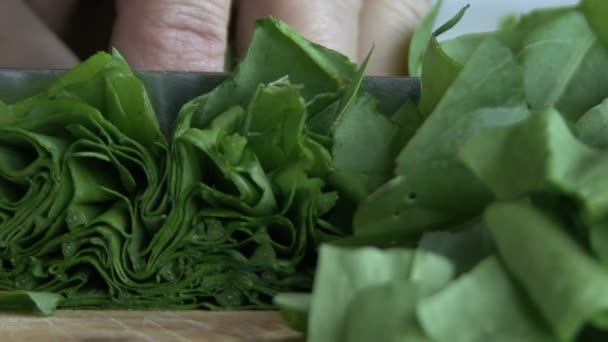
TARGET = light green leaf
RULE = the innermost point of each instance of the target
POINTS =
(554, 162)
(294, 308)
(343, 273)
(385, 312)
(482, 305)
(275, 43)
(486, 93)
(552, 269)
(361, 149)
(420, 40)
(465, 246)
(439, 69)
(275, 124)
(591, 128)
(29, 302)
(573, 47)
(461, 48)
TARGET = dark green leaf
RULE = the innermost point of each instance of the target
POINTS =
(438, 73)
(595, 12)
(29, 302)
(452, 22)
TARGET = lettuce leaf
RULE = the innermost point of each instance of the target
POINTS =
(42, 303)
(500, 174)
(99, 206)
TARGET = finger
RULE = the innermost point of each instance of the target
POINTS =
(54, 14)
(26, 42)
(388, 25)
(334, 24)
(89, 28)
(178, 35)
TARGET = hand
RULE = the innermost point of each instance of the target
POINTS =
(192, 35)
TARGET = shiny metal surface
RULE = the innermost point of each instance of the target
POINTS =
(170, 90)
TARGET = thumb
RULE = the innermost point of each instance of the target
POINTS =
(175, 35)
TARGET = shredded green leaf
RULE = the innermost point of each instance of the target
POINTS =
(98, 206)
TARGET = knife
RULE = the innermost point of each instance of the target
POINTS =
(169, 91)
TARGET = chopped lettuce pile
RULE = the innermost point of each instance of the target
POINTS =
(494, 224)
(99, 209)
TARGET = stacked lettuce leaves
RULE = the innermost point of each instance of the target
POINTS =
(84, 185)
(493, 226)
(99, 209)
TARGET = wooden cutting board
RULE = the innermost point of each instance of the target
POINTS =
(90, 326)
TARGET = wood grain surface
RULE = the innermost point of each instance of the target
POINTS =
(67, 326)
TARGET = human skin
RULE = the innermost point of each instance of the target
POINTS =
(193, 35)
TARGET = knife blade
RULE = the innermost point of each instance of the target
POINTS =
(169, 91)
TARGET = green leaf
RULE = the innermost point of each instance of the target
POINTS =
(29, 302)
(574, 48)
(275, 43)
(439, 69)
(353, 90)
(96, 205)
(486, 93)
(385, 312)
(576, 171)
(556, 273)
(591, 128)
(249, 156)
(595, 11)
(482, 304)
(84, 161)
(294, 309)
(340, 274)
(574, 175)
(343, 274)
(452, 22)
(420, 40)
(460, 49)
(514, 35)
(275, 124)
(495, 154)
(361, 149)
(408, 119)
(106, 83)
(464, 247)
(246, 182)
